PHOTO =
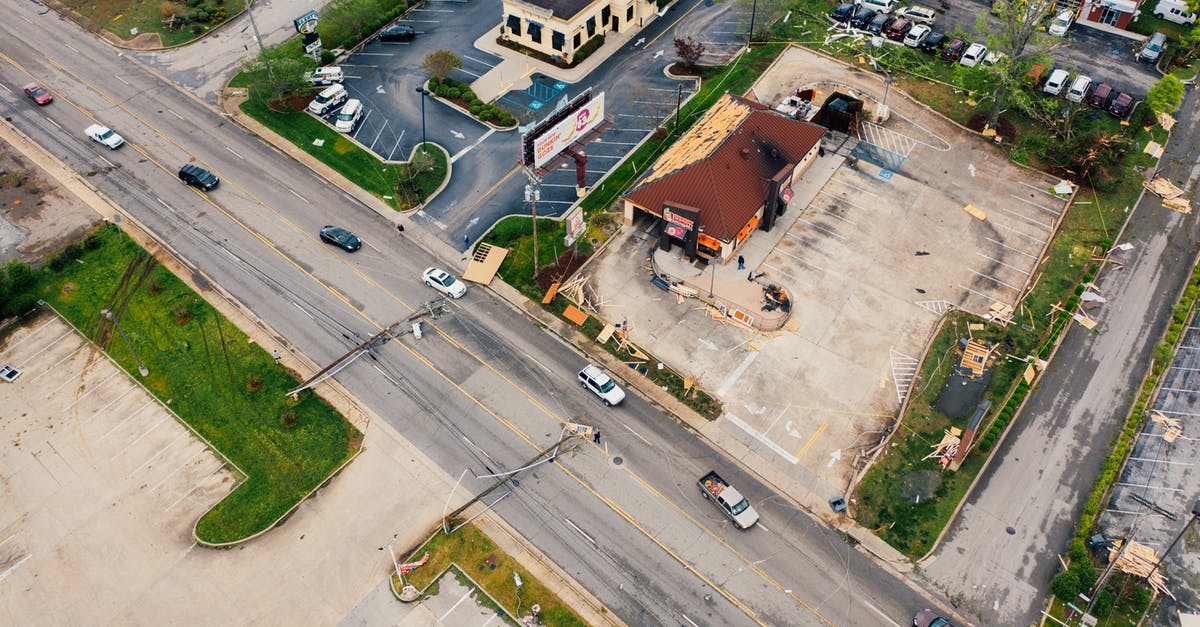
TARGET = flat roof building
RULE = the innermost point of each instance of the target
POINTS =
(561, 28)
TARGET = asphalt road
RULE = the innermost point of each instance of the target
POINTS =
(1001, 552)
(482, 391)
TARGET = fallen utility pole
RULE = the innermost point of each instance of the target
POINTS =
(432, 308)
(503, 479)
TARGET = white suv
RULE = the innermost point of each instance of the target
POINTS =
(349, 117)
(328, 99)
(601, 385)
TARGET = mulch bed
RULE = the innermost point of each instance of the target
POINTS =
(1004, 128)
(566, 265)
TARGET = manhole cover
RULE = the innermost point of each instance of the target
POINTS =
(617, 461)
(1011, 531)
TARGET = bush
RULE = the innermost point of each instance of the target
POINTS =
(58, 262)
(19, 304)
(1065, 586)
(327, 57)
(1085, 572)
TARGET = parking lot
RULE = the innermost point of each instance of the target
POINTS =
(873, 258)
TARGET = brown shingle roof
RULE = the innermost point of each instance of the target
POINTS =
(723, 165)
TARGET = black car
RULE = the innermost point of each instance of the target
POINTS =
(862, 17)
(198, 177)
(879, 23)
(341, 238)
(954, 50)
(1121, 104)
(933, 42)
(398, 32)
(843, 13)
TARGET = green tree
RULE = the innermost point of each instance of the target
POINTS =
(1165, 95)
(1018, 39)
(275, 73)
(439, 63)
(349, 16)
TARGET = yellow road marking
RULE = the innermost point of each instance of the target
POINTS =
(883, 378)
(815, 435)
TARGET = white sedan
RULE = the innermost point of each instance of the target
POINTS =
(105, 135)
(444, 282)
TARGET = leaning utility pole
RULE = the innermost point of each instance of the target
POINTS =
(505, 477)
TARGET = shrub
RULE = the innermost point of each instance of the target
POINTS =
(19, 304)
(327, 57)
(58, 262)
(1085, 573)
(289, 419)
(1065, 586)
(1078, 550)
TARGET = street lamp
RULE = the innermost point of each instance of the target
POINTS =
(424, 92)
(753, 11)
(117, 323)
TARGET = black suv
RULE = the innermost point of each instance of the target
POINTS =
(197, 176)
(862, 17)
(843, 13)
(933, 42)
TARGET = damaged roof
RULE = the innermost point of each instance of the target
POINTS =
(724, 164)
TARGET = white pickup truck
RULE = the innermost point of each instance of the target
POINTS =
(735, 506)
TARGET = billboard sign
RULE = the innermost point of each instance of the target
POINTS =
(306, 24)
(575, 226)
(555, 139)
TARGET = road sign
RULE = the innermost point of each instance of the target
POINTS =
(575, 226)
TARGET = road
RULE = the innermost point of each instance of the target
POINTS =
(1000, 553)
(482, 390)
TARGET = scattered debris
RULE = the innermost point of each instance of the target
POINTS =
(606, 333)
(1000, 314)
(1172, 196)
(485, 261)
(1166, 121)
(575, 315)
(1173, 426)
(1154, 149)
(975, 212)
(975, 357)
(945, 450)
(1063, 188)
(1140, 560)
(1084, 321)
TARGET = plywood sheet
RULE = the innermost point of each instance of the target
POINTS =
(575, 315)
(976, 212)
(485, 261)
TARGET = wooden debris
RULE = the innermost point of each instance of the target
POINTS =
(1029, 374)
(1173, 426)
(975, 212)
(945, 450)
(1140, 560)
(575, 315)
(974, 358)
(550, 293)
(1166, 121)
(605, 333)
(1084, 321)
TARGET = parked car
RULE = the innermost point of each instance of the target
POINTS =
(104, 135)
(349, 116)
(1079, 88)
(325, 76)
(920, 15)
(842, 13)
(917, 35)
(329, 99)
(602, 385)
(953, 49)
(38, 94)
(1121, 104)
(882, 6)
(974, 55)
(444, 282)
(341, 238)
(1034, 76)
(878, 23)
(398, 32)
(929, 618)
(1174, 11)
(198, 177)
(1060, 23)
(934, 42)
(1056, 82)
(898, 29)
(862, 17)
(1101, 96)
(1153, 48)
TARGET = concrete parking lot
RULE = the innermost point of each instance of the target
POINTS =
(873, 258)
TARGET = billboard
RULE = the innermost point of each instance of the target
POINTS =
(575, 125)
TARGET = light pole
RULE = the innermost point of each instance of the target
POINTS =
(1195, 515)
(753, 12)
(887, 87)
(117, 323)
(424, 92)
(678, 104)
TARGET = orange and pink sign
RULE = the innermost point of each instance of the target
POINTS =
(569, 130)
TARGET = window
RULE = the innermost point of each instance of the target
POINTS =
(605, 13)
(557, 40)
(591, 26)
(578, 40)
(535, 32)
(514, 25)
(629, 14)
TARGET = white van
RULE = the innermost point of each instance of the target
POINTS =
(882, 6)
(1174, 11)
(1079, 88)
(349, 117)
(1058, 79)
(324, 76)
(328, 100)
(1060, 23)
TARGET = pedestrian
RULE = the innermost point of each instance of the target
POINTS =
(741, 262)
(466, 242)
(276, 354)
(596, 436)
(399, 227)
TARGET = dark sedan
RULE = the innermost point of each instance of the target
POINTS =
(341, 238)
(399, 32)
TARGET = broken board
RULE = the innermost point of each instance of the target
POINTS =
(485, 261)
(975, 212)
(575, 315)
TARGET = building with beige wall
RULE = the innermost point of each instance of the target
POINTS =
(559, 28)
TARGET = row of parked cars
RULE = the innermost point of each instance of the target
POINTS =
(911, 26)
(1082, 89)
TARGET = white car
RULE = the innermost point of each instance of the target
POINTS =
(330, 98)
(602, 385)
(1061, 22)
(917, 35)
(444, 282)
(1057, 81)
(104, 135)
(349, 116)
(974, 54)
(920, 15)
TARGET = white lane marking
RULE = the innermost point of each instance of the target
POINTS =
(73, 48)
(739, 423)
(580, 531)
(54, 123)
(172, 112)
(737, 372)
(472, 146)
(880, 612)
(639, 436)
(121, 79)
(10, 569)
(299, 196)
(234, 152)
(169, 207)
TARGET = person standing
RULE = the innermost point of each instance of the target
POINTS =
(741, 262)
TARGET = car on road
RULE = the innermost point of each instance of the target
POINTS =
(329, 99)
(1101, 96)
(1153, 48)
(349, 116)
(397, 32)
(953, 49)
(341, 238)
(1121, 104)
(1055, 83)
(898, 29)
(104, 135)
(929, 618)
(842, 13)
(444, 282)
(196, 176)
(920, 15)
(594, 379)
(974, 55)
(934, 42)
(38, 94)
(917, 35)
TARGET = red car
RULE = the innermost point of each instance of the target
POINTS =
(38, 94)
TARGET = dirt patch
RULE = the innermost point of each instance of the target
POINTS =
(1004, 128)
(566, 265)
(37, 217)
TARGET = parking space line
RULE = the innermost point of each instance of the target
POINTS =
(1181, 413)
(981, 294)
(993, 279)
(1010, 267)
(397, 144)
(1185, 390)
(381, 130)
(127, 418)
(189, 492)
(778, 450)
(479, 61)
(1029, 220)
(1048, 193)
(139, 438)
(155, 456)
(121, 396)
(1182, 368)
(1160, 461)
(1150, 487)
(467, 72)
(8, 571)
(1015, 250)
(177, 469)
(53, 367)
(33, 335)
(464, 597)
(797, 259)
(1030, 202)
(92, 389)
(781, 272)
(821, 228)
(1037, 240)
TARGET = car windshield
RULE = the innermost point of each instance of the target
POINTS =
(346, 116)
(446, 280)
(740, 506)
(37, 91)
(323, 97)
(106, 134)
(607, 385)
(1154, 47)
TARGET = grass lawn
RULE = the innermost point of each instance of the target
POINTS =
(120, 17)
(476, 555)
(345, 156)
(228, 389)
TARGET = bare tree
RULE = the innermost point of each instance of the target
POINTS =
(439, 63)
(689, 51)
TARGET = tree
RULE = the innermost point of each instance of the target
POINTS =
(1018, 38)
(348, 16)
(1165, 95)
(689, 51)
(439, 63)
(276, 73)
